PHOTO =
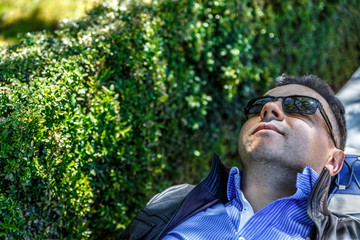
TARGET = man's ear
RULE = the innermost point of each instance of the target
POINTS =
(335, 161)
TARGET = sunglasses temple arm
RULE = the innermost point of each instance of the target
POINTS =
(328, 123)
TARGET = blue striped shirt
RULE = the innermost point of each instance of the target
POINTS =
(285, 218)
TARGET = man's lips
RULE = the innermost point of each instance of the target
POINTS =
(267, 126)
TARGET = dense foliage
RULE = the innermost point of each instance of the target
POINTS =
(105, 111)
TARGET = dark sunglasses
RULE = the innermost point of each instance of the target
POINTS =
(291, 104)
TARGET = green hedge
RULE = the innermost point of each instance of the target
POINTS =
(104, 112)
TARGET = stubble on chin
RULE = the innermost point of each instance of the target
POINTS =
(259, 151)
(263, 158)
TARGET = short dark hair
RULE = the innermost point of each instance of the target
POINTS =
(325, 91)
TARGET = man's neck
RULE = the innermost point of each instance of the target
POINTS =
(265, 184)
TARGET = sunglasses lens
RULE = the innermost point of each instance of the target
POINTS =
(291, 104)
(255, 106)
(298, 104)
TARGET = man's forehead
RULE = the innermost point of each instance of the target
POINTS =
(295, 89)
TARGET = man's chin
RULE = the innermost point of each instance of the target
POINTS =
(263, 152)
(263, 144)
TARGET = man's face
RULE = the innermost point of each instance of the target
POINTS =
(291, 140)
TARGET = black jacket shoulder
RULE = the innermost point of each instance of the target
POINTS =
(157, 213)
(174, 205)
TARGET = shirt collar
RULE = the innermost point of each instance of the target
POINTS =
(304, 182)
(234, 183)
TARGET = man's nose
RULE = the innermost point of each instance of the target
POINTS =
(273, 109)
